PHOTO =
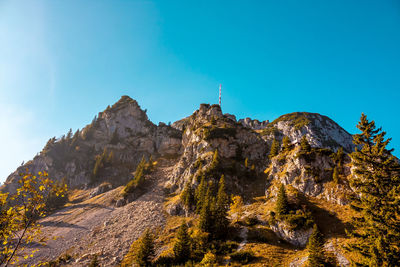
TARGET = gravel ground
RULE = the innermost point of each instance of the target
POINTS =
(96, 226)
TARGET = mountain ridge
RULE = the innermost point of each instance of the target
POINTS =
(100, 161)
(126, 119)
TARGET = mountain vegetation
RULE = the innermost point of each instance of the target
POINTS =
(207, 190)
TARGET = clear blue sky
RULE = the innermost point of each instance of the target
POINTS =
(61, 62)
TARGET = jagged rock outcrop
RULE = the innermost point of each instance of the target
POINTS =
(208, 130)
(122, 134)
(320, 131)
(297, 238)
(311, 174)
(254, 124)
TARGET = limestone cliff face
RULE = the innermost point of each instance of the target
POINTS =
(208, 130)
(254, 124)
(122, 130)
(311, 174)
(121, 135)
(320, 131)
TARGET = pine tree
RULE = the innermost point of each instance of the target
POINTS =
(182, 246)
(377, 189)
(275, 147)
(282, 205)
(335, 175)
(237, 207)
(221, 210)
(286, 144)
(305, 146)
(75, 138)
(339, 157)
(145, 249)
(200, 194)
(315, 248)
(69, 134)
(215, 160)
(187, 196)
(207, 221)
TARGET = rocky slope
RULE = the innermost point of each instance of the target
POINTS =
(102, 157)
(122, 130)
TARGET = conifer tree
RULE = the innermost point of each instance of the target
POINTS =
(377, 189)
(145, 249)
(205, 223)
(237, 207)
(282, 205)
(69, 134)
(339, 157)
(305, 146)
(275, 147)
(207, 212)
(215, 160)
(335, 175)
(201, 191)
(187, 196)
(286, 144)
(75, 138)
(221, 210)
(315, 246)
(182, 246)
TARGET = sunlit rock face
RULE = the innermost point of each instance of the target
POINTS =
(123, 129)
(320, 131)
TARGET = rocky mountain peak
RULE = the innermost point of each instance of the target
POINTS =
(254, 124)
(320, 130)
(207, 111)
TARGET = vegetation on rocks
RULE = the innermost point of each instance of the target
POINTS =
(138, 180)
(225, 209)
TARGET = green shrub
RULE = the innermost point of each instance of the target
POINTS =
(257, 235)
(250, 220)
(299, 220)
(218, 132)
(228, 247)
(242, 257)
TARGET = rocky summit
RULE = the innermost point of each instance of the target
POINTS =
(105, 215)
